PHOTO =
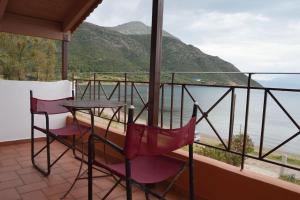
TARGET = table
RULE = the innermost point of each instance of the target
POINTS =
(89, 105)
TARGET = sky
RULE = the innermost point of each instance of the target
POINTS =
(254, 35)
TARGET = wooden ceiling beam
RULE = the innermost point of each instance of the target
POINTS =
(3, 5)
(29, 26)
(79, 14)
(32, 23)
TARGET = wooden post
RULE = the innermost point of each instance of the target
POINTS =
(155, 61)
(64, 56)
(3, 5)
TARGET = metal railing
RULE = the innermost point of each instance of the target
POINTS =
(127, 90)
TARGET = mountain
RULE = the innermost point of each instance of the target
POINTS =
(136, 28)
(127, 48)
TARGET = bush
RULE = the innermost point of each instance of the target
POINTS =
(290, 178)
(230, 158)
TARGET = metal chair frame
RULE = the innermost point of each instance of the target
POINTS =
(129, 181)
(50, 138)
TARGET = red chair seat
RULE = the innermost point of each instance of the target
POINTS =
(149, 169)
(68, 130)
(71, 129)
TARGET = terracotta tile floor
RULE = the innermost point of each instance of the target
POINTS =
(19, 180)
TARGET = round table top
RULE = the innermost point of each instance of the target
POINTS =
(88, 104)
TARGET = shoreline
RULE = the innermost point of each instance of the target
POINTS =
(214, 140)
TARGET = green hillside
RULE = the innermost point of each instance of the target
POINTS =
(124, 48)
(127, 48)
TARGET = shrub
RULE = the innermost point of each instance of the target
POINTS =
(227, 157)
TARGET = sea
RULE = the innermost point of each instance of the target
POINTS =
(278, 126)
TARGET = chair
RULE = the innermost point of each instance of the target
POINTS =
(46, 108)
(146, 161)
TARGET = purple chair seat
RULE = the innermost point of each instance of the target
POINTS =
(68, 130)
(148, 169)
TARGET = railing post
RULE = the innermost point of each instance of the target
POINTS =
(125, 99)
(76, 89)
(162, 105)
(119, 99)
(131, 97)
(155, 61)
(261, 145)
(246, 121)
(94, 89)
(90, 90)
(98, 95)
(94, 86)
(73, 81)
(172, 101)
(99, 90)
(181, 105)
(231, 121)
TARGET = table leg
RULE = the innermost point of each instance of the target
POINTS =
(90, 167)
(91, 159)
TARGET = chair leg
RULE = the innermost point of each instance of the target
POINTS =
(32, 145)
(172, 182)
(112, 189)
(74, 148)
(48, 154)
(33, 154)
(191, 173)
(128, 179)
(147, 195)
(163, 195)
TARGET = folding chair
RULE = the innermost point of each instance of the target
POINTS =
(53, 107)
(146, 161)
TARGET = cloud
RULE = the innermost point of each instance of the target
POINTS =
(251, 41)
(253, 35)
(115, 12)
(257, 57)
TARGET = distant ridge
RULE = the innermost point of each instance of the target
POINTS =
(126, 48)
(136, 28)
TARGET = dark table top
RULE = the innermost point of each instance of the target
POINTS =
(88, 104)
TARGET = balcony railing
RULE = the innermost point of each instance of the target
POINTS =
(175, 107)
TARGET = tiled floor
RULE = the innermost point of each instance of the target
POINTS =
(19, 180)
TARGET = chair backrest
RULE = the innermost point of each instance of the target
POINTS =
(49, 106)
(148, 140)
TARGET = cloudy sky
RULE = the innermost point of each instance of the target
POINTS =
(255, 35)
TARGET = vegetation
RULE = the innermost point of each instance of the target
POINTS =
(290, 160)
(125, 48)
(290, 178)
(23, 57)
(230, 158)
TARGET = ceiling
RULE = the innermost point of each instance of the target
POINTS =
(53, 19)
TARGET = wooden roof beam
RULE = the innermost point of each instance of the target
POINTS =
(23, 25)
(3, 4)
(79, 14)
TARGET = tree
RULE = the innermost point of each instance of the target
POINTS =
(237, 143)
(23, 56)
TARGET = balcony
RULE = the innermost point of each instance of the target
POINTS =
(214, 179)
(168, 105)
(174, 112)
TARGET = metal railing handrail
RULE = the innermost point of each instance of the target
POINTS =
(130, 88)
(193, 72)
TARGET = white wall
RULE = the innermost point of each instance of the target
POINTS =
(15, 106)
